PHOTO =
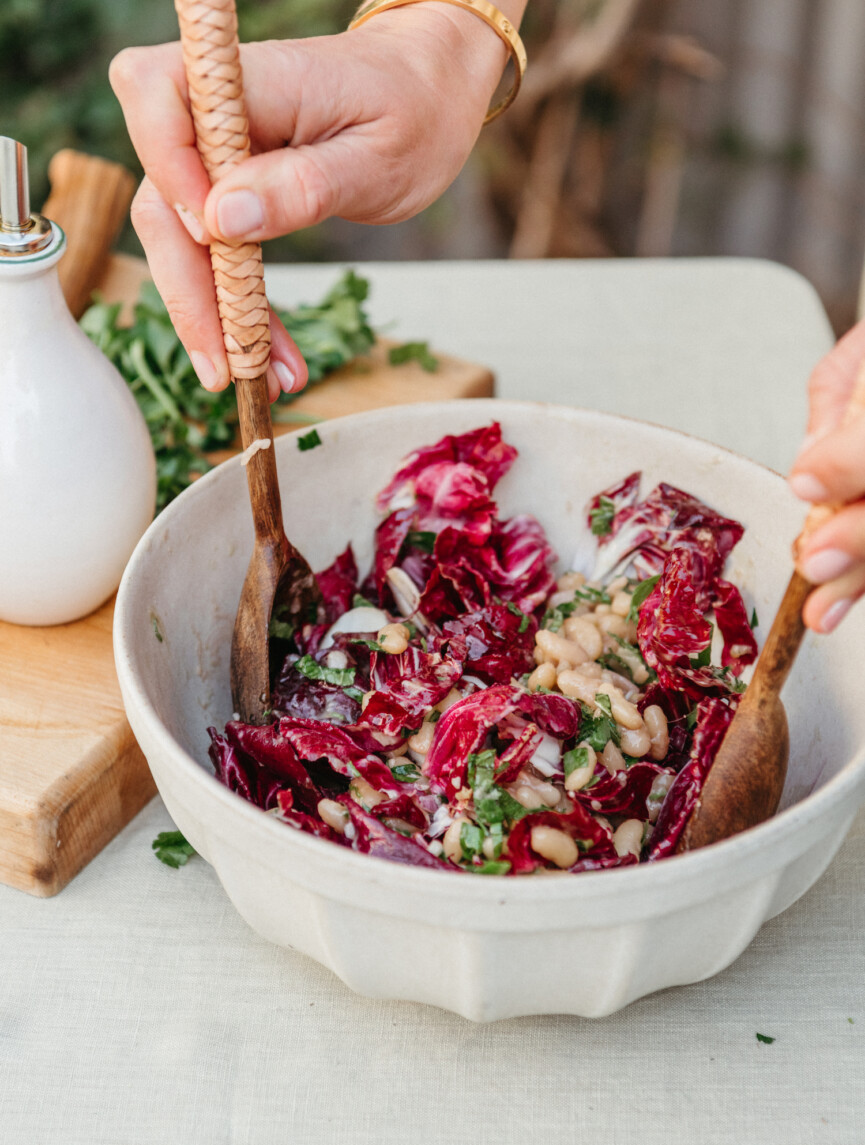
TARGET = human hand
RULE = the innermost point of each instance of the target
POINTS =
(370, 125)
(830, 469)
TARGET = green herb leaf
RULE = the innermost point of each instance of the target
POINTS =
(421, 540)
(358, 601)
(490, 867)
(353, 694)
(308, 440)
(602, 517)
(524, 620)
(172, 849)
(414, 352)
(640, 595)
(765, 1039)
(754, 620)
(156, 631)
(704, 659)
(598, 730)
(315, 671)
(575, 760)
(405, 772)
(471, 840)
(280, 629)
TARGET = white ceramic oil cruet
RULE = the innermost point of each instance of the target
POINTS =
(77, 471)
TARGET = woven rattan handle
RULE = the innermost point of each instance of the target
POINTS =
(211, 56)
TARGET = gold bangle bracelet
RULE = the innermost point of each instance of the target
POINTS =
(490, 15)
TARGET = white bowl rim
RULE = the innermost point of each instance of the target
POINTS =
(588, 884)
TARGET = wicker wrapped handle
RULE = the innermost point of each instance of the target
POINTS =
(211, 56)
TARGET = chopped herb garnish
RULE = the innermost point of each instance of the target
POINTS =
(172, 849)
(554, 618)
(691, 717)
(602, 517)
(280, 629)
(575, 760)
(490, 867)
(373, 645)
(493, 805)
(308, 440)
(414, 352)
(434, 716)
(598, 730)
(353, 694)
(315, 671)
(471, 840)
(640, 595)
(754, 620)
(405, 772)
(156, 631)
(358, 601)
(524, 621)
(765, 1039)
(704, 659)
(421, 540)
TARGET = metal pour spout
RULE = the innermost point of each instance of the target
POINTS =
(21, 233)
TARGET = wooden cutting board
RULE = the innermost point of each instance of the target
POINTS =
(71, 773)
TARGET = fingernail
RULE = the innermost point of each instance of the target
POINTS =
(284, 375)
(833, 616)
(191, 223)
(806, 486)
(239, 213)
(207, 372)
(825, 565)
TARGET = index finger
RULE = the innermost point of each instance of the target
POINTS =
(151, 86)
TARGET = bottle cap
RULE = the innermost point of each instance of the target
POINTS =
(22, 234)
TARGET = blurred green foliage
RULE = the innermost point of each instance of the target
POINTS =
(54, 57)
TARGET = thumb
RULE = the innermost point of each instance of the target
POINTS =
(294, 187)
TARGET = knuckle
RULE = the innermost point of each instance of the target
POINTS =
(316, 193)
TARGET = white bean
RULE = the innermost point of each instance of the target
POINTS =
(635, 743)
(621, 605)
(570, 581)
(393, 638)
(618, 626)
(363, 792)
(628, 838)
(612, 758)
(555, 845)
(577, 686)
(657, 794)
(624, 712)
(334, 814)
(451, 839)
(421, 741)
(578, 778)
(560, 649)
(544, 676)
(586, 634)
(656, 723)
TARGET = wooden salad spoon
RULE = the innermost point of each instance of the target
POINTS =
(278, 580)
(744, 785)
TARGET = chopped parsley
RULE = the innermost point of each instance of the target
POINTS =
(471, 840)
(172, 849)
(358, 601)
(524, 620)
(414, 352)
(602, 517)
(315, 671)
(598, 730)
(493, 805)
(640, 595)
(405, 772)
(577, 759)
(156, 631)
(280, 629)
(704, 659)
(765, 1039)
(490, 867)
(308, 440)
(421, 540)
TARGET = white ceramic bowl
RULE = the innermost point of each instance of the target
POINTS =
(484, 947)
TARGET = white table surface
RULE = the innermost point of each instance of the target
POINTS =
(137, 1007)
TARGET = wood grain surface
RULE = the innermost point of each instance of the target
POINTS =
(71, 773)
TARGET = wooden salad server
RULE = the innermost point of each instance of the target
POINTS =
(90, 200)
(278, 577)
(745, 782)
